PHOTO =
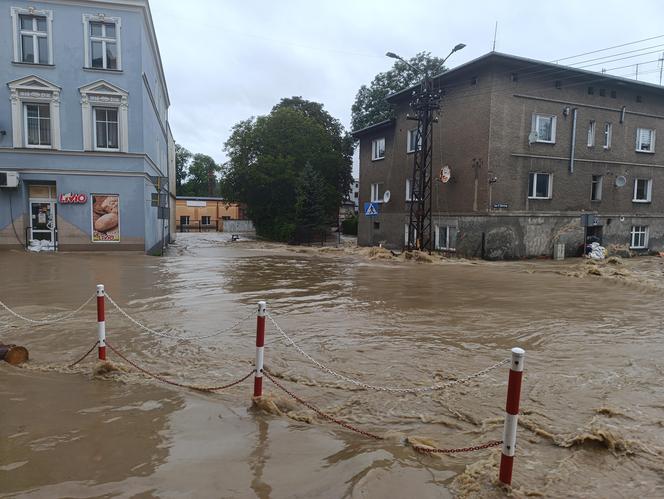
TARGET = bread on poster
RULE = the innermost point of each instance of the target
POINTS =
(106, 222)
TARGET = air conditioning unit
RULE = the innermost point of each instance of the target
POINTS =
(8, 179)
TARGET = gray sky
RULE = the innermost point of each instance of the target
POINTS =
(228, 60)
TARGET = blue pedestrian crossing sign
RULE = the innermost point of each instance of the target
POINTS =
(371, 209)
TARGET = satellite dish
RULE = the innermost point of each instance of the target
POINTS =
(621, 181)
(386, 197)
(445, 174)
(532, 137)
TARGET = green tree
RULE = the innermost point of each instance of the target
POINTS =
(370, 106)
(310, 216)
(267, 157)
(202, 176)
(182, 159)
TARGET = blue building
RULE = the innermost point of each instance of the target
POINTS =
(86, 152)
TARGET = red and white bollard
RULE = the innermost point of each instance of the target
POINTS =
(260, 345)
(511, 415)
(101, 322)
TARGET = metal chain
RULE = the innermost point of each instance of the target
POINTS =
(51, 318)
(321, 413)
(175, 383)
(458, 450)
(173, 336)
(439, 386)
(88, 353)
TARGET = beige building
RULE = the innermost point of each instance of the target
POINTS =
(205, 213)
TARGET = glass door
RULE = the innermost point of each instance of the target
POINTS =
(42, 222)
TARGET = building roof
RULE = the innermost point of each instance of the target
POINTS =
(371, 128)
(492, 56)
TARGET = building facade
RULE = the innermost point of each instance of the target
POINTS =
(530, 147)
(83, 127)
(207, 213)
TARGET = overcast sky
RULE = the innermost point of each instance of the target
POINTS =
(226, 61)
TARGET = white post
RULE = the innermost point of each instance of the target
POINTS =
(511, 415)
(260, 345)
(101, 322)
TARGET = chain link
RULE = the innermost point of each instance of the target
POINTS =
(51, 318)
(87, 353)
(439, 386)
(428, 450)
(174, 336)
(175, 383)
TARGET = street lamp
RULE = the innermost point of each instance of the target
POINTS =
(424, 102)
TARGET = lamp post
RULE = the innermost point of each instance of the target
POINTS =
(424, 102)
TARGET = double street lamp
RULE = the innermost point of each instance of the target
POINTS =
(424, 102)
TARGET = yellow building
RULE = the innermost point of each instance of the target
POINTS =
(205, 213)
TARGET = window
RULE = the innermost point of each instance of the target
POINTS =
(32, 35)
(409, 190)
(356, 195)
(205, 220)
(376, 195)
(596, 188)
(591, 133)
(645, 140)
(642, 190)
(405, 240)
(376, 225)
(639, 99)
(37, 119)
(639, 239)
(184, 219)
(558, 84)
(106, 128)
(413, 141)
(545, 128)
(35, 111)
(378, 149)
(539, 185)
(591, 90)
(445, 237)
(102, 42)
(613, 94)
(602, 92)
(608, 132)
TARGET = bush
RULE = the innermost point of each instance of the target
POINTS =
(349, 226)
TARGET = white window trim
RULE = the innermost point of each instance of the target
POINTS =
(87, 56)
(535, 128)
(652, 141)
(32, 89)
(31, 11)
(94, 131)
(608, 135)
(25, 128)
(378, 198)
(446, 246)
(409, 142)
(599, 189)
(645, 239)
(405, 242)
(374, 155)
(648, 191)
(550, 188)
(591, 133)
(104, 94)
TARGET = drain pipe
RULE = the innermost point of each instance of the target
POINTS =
(573, 141)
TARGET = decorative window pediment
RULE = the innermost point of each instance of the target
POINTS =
(28, 91)
(105, 117)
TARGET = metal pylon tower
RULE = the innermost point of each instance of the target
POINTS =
(424, 102)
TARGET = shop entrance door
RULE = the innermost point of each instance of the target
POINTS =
(42, 223)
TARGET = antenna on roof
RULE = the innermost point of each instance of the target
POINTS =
(495, 32)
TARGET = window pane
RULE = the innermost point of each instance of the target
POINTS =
(42, 42)
(112, 115)
(111, 56)
(33, 131)
(101, 135)
(26, 22)
(45, 132)
(542, 186)
(113, 135)
(41, 24)
(110, 30)
(452, 237)
(95, 29)
(100, 114)
(32, 110)
(97, 57)
(44, 110)
(531, 179)
(640, 189)
(27, 49)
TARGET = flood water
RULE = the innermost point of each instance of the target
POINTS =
(592, 422)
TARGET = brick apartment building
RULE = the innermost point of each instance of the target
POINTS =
(531, 146)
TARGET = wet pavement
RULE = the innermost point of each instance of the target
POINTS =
(592, 420)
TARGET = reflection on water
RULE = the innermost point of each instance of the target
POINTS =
(590, 398)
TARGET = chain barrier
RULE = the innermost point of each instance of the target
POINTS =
(429, 450)
(87, 353)
(439, 386)
(174, 336)
(51, 318)
(321, 413)
(175, 383)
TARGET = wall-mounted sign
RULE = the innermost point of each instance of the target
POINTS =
(497, 206)
(590, 220)
(197, 204)
(105, 218)
(73, 198)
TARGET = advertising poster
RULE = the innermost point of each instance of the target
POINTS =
(105, 218)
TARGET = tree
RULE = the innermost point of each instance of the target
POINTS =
(182, 159)
(267, 157)
(202, 176)
(309, 213)
(370, 106)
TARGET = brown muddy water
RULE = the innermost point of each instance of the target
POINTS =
(592, 422)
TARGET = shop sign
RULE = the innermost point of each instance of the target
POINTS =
(498, 206)
(73, 198)
(105, 218)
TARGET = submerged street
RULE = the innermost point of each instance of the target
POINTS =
(591, 405)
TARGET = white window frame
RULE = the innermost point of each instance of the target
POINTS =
(16, 31)
(448, 244)
(88, 39)
(591, 133)
(599, 183)
(209, 219)
(652, 140)
(409, 141)
(104, 94)
(533, 195)
(405, 242)
(648, 191)
(535, 127)
(608, 135)
(35, 90)
(643, 230)
(375, 149)
(409, 191)
(94, 129)
(375, 193)
(25, 126)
